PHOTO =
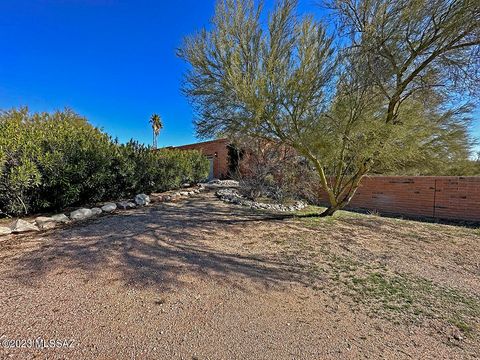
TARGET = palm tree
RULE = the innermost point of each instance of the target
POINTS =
(157, 125)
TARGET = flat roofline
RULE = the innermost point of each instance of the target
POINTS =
(202, 142)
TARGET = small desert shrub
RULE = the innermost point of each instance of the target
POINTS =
(55, 160)
(267, 169)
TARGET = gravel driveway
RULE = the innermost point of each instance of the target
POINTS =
(202, 279)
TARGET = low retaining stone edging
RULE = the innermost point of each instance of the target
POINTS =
(221, 184)
(232, 196)
(49, 222)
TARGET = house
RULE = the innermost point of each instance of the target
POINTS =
(225, 156)
(217, 152)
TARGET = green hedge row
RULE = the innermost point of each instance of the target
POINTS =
(50, 161)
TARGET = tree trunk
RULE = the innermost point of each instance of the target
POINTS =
(341, 203)
(328, 211)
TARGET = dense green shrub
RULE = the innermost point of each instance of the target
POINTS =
(139, 167)
(55, 160)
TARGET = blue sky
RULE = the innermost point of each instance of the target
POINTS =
(112, 61)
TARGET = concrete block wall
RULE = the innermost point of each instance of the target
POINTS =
(440, 197)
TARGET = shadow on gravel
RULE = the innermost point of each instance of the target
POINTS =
(154, 247)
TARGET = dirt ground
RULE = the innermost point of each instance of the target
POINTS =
(201, 279)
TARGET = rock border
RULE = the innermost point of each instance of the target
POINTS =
(221, 184)
(40, 223)
(232, 196)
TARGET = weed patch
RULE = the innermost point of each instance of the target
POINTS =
(398, 296)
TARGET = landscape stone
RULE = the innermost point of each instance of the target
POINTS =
(43, 219)
(142, 199)
(96, 211)
(20, 226)
(126, 205)
(44, 222)
(48, 225)
(81, 214)
(122, 205)
(60, 218)
(109, 207)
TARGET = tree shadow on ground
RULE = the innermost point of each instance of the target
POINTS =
(156, 247)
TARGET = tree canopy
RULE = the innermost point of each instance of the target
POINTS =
(391, 88)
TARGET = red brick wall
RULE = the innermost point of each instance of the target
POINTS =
(442, 197)
(210, 148)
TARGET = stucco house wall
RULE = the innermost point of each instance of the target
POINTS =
(217, 150)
